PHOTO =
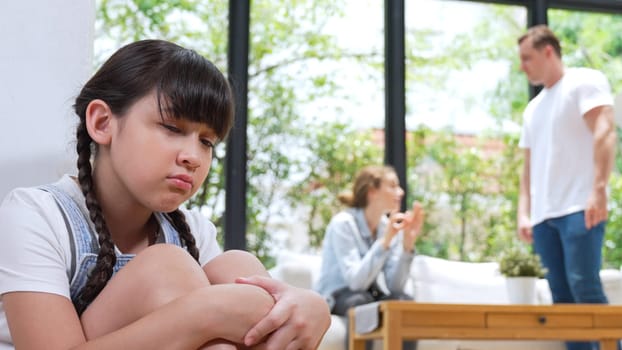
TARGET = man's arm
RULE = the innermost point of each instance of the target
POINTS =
(524, 198)
(600, 121)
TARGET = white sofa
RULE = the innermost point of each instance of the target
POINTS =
(437, 280)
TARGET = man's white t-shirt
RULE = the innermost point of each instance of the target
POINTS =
(561, 144)
(35, 252)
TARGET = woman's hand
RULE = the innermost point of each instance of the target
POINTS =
(412, 224)
(298, 320)
(396, 223)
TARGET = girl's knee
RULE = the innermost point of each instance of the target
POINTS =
(156, 276)
(241, 258)
(171, 269)
(229, 265)
(160, 273)
(168, 252)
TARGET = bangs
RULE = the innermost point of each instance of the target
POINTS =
(192, 88)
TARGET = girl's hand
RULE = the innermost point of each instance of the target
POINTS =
(298, 320)
(413, 222)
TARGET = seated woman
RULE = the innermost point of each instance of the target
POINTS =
(370, 240)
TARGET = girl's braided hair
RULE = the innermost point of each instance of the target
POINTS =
(186, 85)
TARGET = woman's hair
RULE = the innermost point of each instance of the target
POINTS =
(186, 86)
(541, 36)
(368, 177)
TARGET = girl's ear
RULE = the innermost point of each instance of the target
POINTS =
(99, 121)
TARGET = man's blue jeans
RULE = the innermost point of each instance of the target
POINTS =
(572, 254)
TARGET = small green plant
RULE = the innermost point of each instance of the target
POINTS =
(519, 262)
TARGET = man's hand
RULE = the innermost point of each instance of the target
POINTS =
(600, 121)
(524, 229)
(596, 210)
(298, 320)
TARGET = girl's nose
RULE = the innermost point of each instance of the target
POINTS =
(189, 158)
(191, 163)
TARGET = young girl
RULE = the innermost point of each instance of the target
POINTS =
(369, 239)
(108, 260)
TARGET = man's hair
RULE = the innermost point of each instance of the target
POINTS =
(541, 36)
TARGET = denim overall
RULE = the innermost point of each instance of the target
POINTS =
(84, 243)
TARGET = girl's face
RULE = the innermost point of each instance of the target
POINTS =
(160, 160)
(389, 195)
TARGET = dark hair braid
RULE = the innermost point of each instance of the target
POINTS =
(179, 221)
(106, 257)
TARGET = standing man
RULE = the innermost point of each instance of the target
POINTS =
(569, 139)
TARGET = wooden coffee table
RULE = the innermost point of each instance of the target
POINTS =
(408, 320)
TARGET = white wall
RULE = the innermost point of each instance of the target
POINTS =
(45, 56)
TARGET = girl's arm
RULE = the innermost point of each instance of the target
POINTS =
(42, 321)
(161, 299)
(49, 321)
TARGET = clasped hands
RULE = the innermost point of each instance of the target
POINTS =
(298, 320)
(410, 222)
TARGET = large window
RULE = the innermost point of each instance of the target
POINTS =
(461, 81)
(315, 92)
(316, 107)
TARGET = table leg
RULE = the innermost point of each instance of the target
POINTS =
(609, 344)
(392, 337)
(354, 344)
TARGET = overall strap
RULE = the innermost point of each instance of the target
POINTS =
(171, 235)
(81, 238)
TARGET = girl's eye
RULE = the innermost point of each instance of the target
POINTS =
(171, 128)
(207, 143)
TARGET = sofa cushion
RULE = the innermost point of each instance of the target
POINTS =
(438, 280)
(612, 284)
(335, 338)
(295, 273)
(298, 269)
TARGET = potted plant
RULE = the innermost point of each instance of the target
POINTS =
(522, 269)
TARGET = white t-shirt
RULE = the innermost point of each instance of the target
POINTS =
(561, 145)
(35, 252)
